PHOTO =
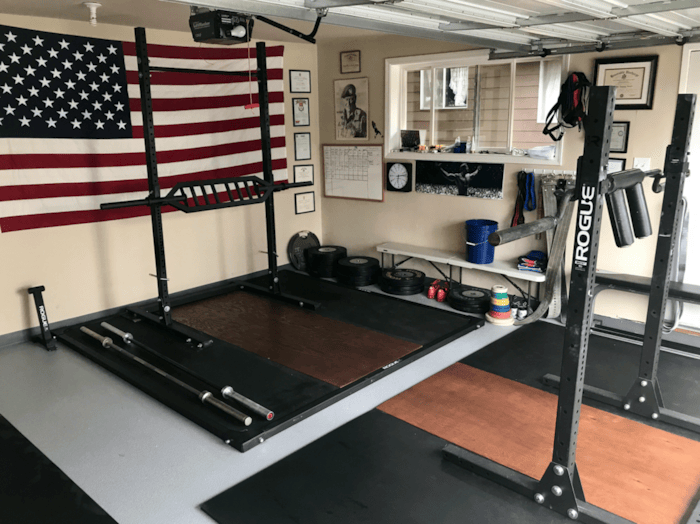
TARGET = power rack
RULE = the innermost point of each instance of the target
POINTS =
(204, 195)
(560, 487)
(644, 395)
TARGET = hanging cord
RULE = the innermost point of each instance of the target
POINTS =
(530, 195)
(526, 199)
(678, 270)
(518, 217)
(251, 105)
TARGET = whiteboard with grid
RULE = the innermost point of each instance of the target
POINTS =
(351, 171)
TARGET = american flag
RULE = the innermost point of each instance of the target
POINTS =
(70, 118)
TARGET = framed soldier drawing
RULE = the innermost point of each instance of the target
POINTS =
(351, 108)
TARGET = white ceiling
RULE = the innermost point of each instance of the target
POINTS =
(521, 26)
(155, 14)
(516, 26)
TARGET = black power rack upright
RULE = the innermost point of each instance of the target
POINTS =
(644, 395)
(560, 487)
(203, 195)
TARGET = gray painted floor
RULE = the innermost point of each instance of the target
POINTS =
(142, 462)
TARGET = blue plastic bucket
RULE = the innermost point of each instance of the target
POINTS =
(479, 251)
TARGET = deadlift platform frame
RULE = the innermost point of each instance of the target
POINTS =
(560, 487)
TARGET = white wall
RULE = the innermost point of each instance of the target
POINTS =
(88, 268)
(438, 221)
(91, 267)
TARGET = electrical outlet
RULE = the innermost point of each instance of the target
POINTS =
(642, 163)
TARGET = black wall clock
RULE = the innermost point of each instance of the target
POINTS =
(399, 176)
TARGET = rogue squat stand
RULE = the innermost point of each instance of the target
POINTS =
(560, 487)
(644, 395)
(204, 195)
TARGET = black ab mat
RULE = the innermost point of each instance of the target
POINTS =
(535, 350)
(376, 469)
(33, 490)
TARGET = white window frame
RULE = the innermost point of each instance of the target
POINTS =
(396, 72)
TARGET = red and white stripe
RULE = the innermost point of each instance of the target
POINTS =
(202, 132)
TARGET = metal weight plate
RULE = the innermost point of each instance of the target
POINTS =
(298, 244)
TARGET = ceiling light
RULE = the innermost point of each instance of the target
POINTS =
(92, 6)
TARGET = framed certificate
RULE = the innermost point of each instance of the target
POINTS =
(304, 203)
(350, 62)
(302, 146)
(304, 173)
(301, 111)
(620, 136)
(634, 77)
(615, 165)
(299, 81)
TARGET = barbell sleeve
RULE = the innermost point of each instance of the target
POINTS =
(523, 230)
(205, 396)
(619, 218)
(226, 391)
(208, 398)
(639, 213)
(229, 392)
(126, 337)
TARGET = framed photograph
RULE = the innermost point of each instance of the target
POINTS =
(616, 165)
(299, 81)
(634, 77)
(304, 203)
(301, 111)
(302, 146)
(304, 173)
(351, 108)
(350, 62)
(620, 137)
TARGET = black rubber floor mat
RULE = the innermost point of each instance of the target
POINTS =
(33, 490)
(292, 395)
(375, 469)
(535, 350)
(392, 316)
